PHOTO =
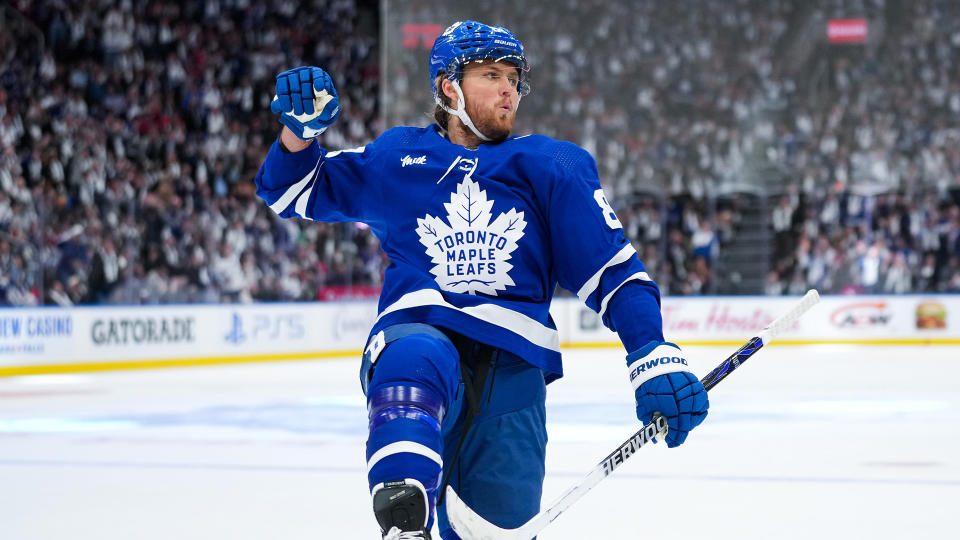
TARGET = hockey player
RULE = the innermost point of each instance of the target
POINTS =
(480, 227)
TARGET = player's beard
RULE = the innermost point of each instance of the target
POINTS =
(495, 123)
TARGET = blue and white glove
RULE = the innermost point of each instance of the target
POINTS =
(306, 101)
(661, 383)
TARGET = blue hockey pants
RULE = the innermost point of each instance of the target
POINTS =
(500, 467)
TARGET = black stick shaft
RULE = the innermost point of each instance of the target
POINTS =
(731, 363)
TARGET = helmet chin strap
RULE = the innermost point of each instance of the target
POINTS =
(461, 112)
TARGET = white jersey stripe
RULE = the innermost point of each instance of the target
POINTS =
(302, 200)
(291, 193)
(642, 276)
(505, 318)
(400, 447)
(592, 283)
(357, 150)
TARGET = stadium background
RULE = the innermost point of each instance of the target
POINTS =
(744, 151)
(745, 154)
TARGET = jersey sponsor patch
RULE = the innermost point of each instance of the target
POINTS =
(469, 252)
(407, 160)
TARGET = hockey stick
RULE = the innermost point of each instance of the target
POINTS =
(471, 526)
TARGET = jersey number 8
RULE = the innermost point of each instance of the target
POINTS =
(608, 214)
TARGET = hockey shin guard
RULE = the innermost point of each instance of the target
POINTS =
(405, 438)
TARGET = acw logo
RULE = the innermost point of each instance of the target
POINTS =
(862, 315)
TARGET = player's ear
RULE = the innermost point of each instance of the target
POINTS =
(446, 86)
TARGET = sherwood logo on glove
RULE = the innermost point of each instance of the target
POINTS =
(650, 364)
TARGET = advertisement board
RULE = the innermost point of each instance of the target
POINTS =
(907, 319)
(847, 31)
(30, 336)
(109, 337)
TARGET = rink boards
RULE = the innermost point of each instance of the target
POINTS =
(50, 339)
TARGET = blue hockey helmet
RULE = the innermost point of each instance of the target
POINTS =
(469, 41)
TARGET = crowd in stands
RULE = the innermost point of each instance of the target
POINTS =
(679, 100)
(874, 204)
(131, 132)
(856, 244)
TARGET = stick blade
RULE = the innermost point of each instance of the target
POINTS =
(470, 526)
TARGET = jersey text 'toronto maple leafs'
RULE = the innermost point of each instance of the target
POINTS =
(469, 252)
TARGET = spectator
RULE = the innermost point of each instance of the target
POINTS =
(144, 122)
(137, 131)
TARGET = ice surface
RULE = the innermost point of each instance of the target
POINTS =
(801, 442)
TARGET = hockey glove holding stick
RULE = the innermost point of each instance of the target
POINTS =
(661, 382)
(306, 101)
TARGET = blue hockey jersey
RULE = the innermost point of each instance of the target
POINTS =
(477, 239)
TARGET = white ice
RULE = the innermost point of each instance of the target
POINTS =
(801, 442)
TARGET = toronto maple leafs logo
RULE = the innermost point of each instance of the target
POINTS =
(469, 252)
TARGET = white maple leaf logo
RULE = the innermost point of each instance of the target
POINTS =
(469, 252)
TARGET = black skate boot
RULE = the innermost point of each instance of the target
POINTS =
(402, 510)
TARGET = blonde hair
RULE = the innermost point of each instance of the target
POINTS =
(441, 116)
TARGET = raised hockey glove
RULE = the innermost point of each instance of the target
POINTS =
(661, 383)
(306, 101)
